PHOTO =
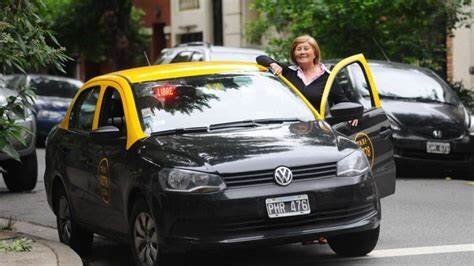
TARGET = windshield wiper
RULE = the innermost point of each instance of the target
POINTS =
(180, 131)
(413, 99)
(243, 123)
(252, 123)
(276, 120)
(427, 100)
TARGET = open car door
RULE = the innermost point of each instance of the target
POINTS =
(373, 131)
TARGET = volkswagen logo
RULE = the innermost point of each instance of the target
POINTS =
(437, 134)
(283, 176)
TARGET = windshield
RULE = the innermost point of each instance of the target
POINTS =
(410, 84)
(214, 99)
(234, 56)
(46, 86)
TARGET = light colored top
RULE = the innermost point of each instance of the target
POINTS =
(299, 72)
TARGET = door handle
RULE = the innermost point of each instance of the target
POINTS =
(385, 132)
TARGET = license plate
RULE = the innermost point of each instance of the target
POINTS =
(288, 206)
(438, 147)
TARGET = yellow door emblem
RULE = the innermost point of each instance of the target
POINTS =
(103, 176)
(363, 140)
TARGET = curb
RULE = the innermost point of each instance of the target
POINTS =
(47, 250)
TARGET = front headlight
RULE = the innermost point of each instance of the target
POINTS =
(394, 123)
(353, 165)
(190, 181)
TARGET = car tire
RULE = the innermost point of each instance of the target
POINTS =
(144, 235)
(355, 244)
(69, 231)
(21, 176)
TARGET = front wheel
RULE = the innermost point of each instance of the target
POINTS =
(144, 235)
(355, 244)
(71, 233)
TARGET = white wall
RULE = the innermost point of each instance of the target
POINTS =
(188, 21)
(463, 54)
(231, 20)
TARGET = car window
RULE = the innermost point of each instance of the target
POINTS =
(111, 113)
(165, 57)
(357, 89)
(82, 114)
(184, 56)
(411, 85)
(15, 81)
(46, 86)
(205, 100)
(234, 56)
(197, 56)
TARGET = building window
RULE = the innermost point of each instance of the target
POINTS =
(188, 4)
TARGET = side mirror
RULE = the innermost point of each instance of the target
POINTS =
(106, 132)
(345, 111)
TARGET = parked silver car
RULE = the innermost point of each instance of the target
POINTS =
(201, 51)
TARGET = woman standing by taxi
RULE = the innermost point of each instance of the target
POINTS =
(308, 74)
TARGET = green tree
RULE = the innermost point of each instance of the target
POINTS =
(108, 31)
(408, 31)
(25, 45)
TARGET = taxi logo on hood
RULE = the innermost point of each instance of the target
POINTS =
(363, 140)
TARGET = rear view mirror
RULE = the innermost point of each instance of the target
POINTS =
(106, 132)
(345, 111)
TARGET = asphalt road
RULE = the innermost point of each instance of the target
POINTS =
(426, 222)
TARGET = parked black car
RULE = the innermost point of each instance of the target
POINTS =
(200, 155)
(53, 96)
(20, 176)
(432, 130)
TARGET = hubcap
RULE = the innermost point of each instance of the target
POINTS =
(145, 238)
(64, 220)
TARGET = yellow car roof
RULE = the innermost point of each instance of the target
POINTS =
(177, 70)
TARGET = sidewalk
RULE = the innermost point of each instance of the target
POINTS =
(45, 246)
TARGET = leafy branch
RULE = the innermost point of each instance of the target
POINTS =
(25, 45)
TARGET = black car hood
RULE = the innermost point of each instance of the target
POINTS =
(242, 150)
(423, 118)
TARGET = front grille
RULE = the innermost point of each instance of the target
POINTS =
(333, 216)
(458, 157)
(266, 176)
(447, 132)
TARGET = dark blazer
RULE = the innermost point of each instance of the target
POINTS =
(313, 91)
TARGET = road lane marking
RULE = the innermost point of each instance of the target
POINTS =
(398, 252)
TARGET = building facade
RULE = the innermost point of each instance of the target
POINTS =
(219, 22)
(462, 55)
(157, 20)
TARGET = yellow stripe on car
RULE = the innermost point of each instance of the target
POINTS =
(359, 59)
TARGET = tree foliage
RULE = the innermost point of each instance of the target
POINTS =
(25, 45)
(101, 31)
(411, 31)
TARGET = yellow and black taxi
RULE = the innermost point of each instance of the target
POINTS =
(217, 154)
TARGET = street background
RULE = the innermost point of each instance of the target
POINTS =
(424, 212)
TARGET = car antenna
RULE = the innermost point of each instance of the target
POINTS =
(146, 57)
(381, 50)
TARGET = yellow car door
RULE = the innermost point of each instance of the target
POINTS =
(372, 132)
